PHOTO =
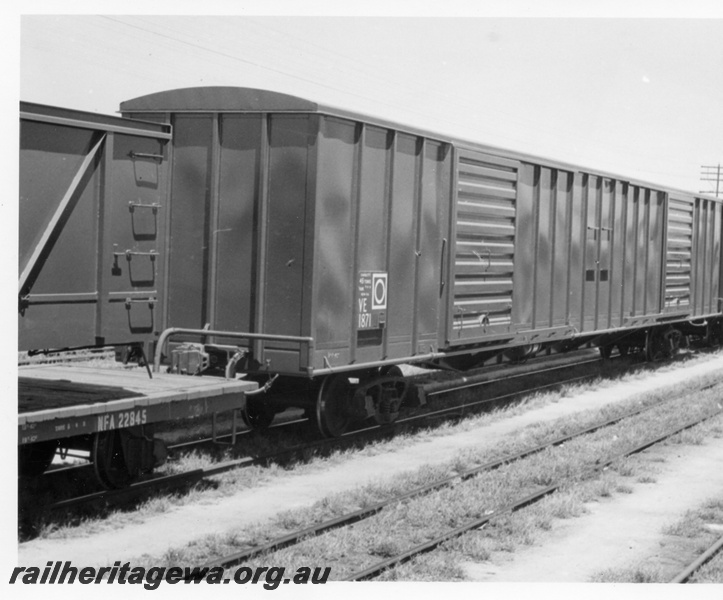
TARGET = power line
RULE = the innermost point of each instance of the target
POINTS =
(522, 126)
(171, 35)
(711, 173)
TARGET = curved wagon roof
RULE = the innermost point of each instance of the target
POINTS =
(218, 99)
(232, 99)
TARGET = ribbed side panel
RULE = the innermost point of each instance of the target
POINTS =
(484, 244)
(678, 254)
(707, 256)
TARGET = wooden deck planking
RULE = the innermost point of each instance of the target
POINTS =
(73, 390)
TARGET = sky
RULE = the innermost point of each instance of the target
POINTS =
(640, 97)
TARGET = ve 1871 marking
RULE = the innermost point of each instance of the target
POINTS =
(371, 299)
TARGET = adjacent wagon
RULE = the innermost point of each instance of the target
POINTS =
(310, 250)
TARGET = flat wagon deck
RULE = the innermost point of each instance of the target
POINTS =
(112, 411)
(57, 401)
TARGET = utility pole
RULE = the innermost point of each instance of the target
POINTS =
(711, 173)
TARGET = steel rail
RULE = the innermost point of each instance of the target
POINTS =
(466, 382)
(59, 470)
(192, 477)
(686, 573)
(378, 568)
(55, 471)
(471, 380)
(363, 513)
(179, 480)
(210, 440)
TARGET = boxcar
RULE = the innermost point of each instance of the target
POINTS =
(357, 244)
(322, 247)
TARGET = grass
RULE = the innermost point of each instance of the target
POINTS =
(696, 532)
(231, 483)
(711, 572)
(528, 526)
(681, 543)
(410, 523)
(252, 444)
(644, 574)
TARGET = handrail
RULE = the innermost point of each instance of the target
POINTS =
(267, 337)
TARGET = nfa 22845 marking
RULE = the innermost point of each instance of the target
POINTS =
(128, 418)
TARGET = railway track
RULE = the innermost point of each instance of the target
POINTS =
(376, 569)
(477, 378)
(686, 574)
(98, 502)
(201, 443)
(177, 482)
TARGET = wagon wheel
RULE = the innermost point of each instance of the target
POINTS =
(655, 350)
(672, 341)
(256, 414)
(714, 333)
(606, 351)
(654, 355)
(331, 414)
(33, 459)
(108, 460)
(391, 371)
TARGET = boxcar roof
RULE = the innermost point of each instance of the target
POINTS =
(240, 99)
(218, 99)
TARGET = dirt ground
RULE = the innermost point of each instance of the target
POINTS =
(179, 526)
(623, 531)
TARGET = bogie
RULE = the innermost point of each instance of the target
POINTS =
(327, 245)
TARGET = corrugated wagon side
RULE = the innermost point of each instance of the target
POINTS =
(547, 255)
(92, 274)
(311, 239)
(275, 242)
(92, 200)
(324, 246)
(382, 204)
